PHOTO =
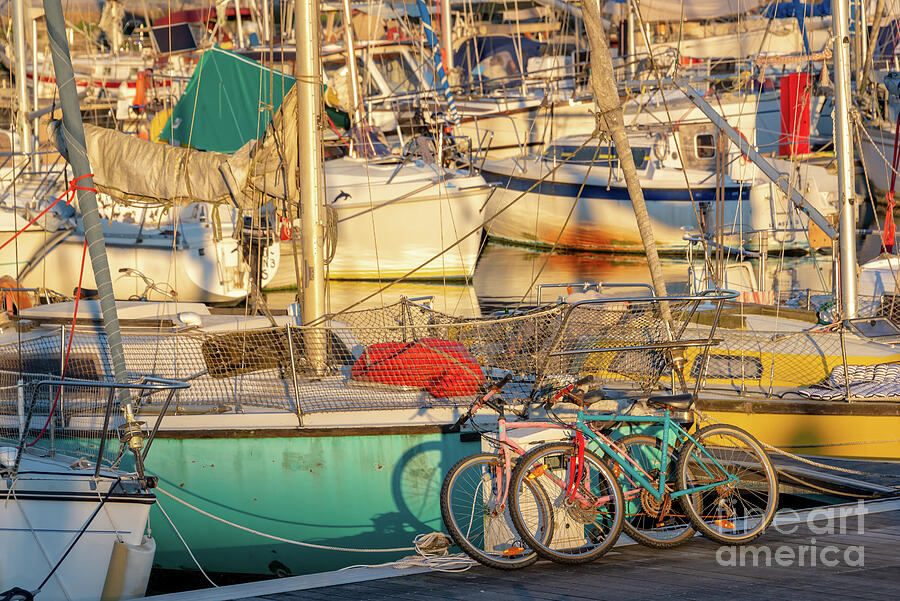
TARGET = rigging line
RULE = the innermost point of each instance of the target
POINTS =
(659, 81)
(858, 141)
(279, 538)
(459, 241)
(549, 254)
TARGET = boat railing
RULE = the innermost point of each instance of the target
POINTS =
(598, 287)
(637, 340)
(72, 429)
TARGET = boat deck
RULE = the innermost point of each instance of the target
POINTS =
(860, 560)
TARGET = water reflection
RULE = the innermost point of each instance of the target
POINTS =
(508, 276)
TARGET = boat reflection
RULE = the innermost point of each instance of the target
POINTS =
(509, 276)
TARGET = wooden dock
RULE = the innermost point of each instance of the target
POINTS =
(857, 557)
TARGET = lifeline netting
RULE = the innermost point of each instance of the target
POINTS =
(400, 357)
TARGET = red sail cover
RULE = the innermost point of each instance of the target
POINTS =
(444, 368)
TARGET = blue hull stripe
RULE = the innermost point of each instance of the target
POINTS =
(563, 190)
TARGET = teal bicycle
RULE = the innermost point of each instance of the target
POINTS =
(675, 477)
(717, 480)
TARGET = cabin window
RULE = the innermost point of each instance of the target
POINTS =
(604, 156)
(396, 72)
(729, 367)
(705, 146)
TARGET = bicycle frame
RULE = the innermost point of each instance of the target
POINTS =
(628, 464)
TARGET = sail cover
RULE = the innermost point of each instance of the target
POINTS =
(228, 101)
(138, 171)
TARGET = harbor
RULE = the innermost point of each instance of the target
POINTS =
(534, 299)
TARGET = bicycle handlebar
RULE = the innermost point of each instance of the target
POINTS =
(485, 400)
(568, 389)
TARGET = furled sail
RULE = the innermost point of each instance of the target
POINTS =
(132, 170)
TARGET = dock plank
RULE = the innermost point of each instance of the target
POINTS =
(688, 572)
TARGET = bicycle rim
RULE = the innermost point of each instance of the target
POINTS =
(473, 517)
(729, 513)
(584, 525)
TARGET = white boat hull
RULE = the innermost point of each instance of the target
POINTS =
(40, 517)
(388, 230)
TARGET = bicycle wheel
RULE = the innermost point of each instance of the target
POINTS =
(659, 524)
(730, 513)
(584, 525)
(475, 520)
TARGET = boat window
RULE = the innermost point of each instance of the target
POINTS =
(398, 74)
(705, 146)
(728, 367)
(603, 156)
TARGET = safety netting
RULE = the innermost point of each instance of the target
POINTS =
(402, 356)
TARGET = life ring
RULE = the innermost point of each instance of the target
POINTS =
(13, 300)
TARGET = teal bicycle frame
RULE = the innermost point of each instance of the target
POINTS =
(669, 426)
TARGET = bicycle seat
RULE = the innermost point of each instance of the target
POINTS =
(681, 402)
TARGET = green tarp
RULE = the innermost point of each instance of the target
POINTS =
(226, 103)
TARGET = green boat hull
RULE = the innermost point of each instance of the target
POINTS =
(359, 492)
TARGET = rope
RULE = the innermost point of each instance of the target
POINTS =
(279, 538)
(432, 554)
(890, 231)
(796, 457)
(68, 194)
(824, 55)
(184, 542)
(68, 349)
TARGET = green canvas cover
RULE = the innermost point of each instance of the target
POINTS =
(226, 102)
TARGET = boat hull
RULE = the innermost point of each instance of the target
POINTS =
(387, 231)
(542, 214)
(370, 489)
(46, 511)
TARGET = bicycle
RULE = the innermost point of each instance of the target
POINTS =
(475, 491)
(648, 521)
(722, 478)
(732, 505)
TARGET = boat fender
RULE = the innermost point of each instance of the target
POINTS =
(13, 300)
(661, 146)
(140, 91)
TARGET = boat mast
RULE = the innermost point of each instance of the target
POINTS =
(843, 150)
(607, 98)
(311, 168)
(356, 112)
(73, 133)
(447, 36)
(24, 126)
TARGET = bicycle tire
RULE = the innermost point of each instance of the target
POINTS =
(730, 514)
(643, 522)
(576, 534)
(481, 529)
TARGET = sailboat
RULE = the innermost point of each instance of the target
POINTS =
(74, 512)
(805, 387)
